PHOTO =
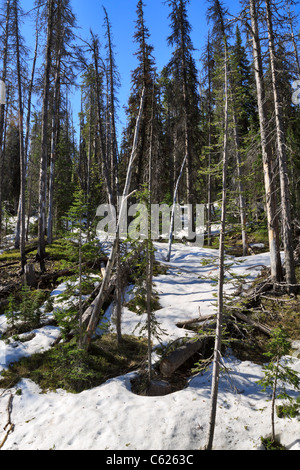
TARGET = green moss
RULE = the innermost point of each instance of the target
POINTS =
(74, 370)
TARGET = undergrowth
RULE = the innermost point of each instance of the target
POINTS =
(67, 367)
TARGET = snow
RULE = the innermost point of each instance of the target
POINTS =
(108, 417)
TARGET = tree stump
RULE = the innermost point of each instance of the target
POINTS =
(29, 275)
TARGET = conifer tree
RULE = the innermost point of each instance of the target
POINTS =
(217, 13)
(143, 76)
(4, 38)
(16, 13)
(282, 157)
(41, 252)
(183, 73)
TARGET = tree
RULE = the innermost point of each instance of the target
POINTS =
(277, 374)
(270, 193)
(92, 314)
(217, 13)
(62, 73)
(112, 85)
(16, 11)
(142, 77)
(99, 68)
(2, 106)
(41, 252)
(183, 73)
(282, 157)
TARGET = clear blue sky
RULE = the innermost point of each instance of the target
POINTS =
(122, 16)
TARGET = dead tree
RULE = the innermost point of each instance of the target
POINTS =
(286, 222)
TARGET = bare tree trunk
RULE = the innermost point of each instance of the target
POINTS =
(283, 171)
(275, 260)
(209, 177)
(2, 106)
(41, 252)
(174, 208)
(54, 138)
(98, 94)
(218, 339)
(240, 186)
(112, 113)
(21, 138)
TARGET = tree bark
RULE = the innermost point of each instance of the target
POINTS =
(2, 106)
(54, 138)
(275, 260)
(218, 339)
(21, 139)
(179, 356)
(41, 252)
(283, 171)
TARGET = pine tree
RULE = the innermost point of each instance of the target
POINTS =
(143, 76)
(16, 13)
(4, 38)
(183, 73)
(216, 13)
(41, 252)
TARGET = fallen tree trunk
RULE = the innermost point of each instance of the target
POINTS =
(179, 356)
(192, 321)
(241, 316)
(54, 275)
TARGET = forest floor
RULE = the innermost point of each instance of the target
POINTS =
(105, 379)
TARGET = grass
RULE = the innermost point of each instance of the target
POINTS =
(66, 367)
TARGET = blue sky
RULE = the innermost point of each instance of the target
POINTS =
(122, 16)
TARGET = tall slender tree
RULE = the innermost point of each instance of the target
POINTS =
(183, 71)
(2, 106)
(282, 156)
(270, 193)
(16, 13)
(41, 252)
(216, 13)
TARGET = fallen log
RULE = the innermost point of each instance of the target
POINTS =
(54, 275)
(179, 356)
(241, 316)
(191, 321)
(9, 288)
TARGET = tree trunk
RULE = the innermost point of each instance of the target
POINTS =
(2, 106)
(179, 356)
(275, 260)
(104, 155)
(21, 138)
(41, 252)
(54, 139)
(218, 339)
(173, 209)
(283, 171)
